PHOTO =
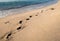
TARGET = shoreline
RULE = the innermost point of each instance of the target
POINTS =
(25, 9)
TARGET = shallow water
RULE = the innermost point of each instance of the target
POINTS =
(19, 4)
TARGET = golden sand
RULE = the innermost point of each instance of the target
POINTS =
(37, 25)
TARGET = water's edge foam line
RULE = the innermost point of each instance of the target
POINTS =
(27, 8)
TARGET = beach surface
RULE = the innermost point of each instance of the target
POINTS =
(36, 25)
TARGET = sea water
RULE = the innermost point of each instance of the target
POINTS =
(15, 7)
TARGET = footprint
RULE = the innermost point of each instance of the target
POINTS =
(8, 35)
(41, 11)
(30, 16)
(20, 22)
(7, 22)
(36, 15)
(52, 8)
(27, 19)
(18, 28)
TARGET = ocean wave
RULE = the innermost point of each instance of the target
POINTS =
(19, 4)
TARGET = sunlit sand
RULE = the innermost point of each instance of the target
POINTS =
(36, 25)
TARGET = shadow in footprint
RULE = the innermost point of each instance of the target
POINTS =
(8, 35)
(52, 8)
(27, 19)
(18, 28)
(20, 22)
(36, 15)
(7, 22)
(30, 16)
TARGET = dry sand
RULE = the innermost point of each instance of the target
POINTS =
(37, 25)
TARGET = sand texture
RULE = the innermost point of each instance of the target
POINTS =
(36, 25)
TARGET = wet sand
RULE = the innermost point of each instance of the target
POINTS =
(37, 25)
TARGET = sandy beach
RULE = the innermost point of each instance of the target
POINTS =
(36, 25)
